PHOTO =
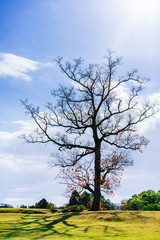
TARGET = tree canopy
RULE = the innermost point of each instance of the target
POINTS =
(147, 200)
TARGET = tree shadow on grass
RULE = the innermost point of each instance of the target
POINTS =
(120, 216)
(38, 226)
(44, 226)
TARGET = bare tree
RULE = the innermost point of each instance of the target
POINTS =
(93, 123)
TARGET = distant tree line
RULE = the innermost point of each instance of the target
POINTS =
(146, 201)
(5, 205)
(77, 202)
(43, 204)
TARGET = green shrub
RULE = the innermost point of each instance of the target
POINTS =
(74, 208)
(23, 206)
(32, 206)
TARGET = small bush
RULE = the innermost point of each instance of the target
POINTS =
(23, 206)
(32, 206)
(74, 208)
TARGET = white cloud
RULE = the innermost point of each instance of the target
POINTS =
(28, 201)
(16, 202)
(151, 123)
(24, 171)
(18, 67)
(155, 97)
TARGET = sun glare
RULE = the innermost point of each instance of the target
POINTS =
(141, 21)
(146, 10)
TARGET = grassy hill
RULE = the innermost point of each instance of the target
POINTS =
(26, 224)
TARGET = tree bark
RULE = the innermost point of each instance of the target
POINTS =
(97, 191)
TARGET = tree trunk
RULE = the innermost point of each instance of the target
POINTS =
(97, 192)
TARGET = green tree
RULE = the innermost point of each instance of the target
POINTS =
(135, 204)
(85, 198)
(42, 204)
(93, 123)
(51, 206)
(146, 200)
(74, 199)
(107, 204)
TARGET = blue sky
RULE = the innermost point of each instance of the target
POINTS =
(32, 34)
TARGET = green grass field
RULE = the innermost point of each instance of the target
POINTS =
(109, 225)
